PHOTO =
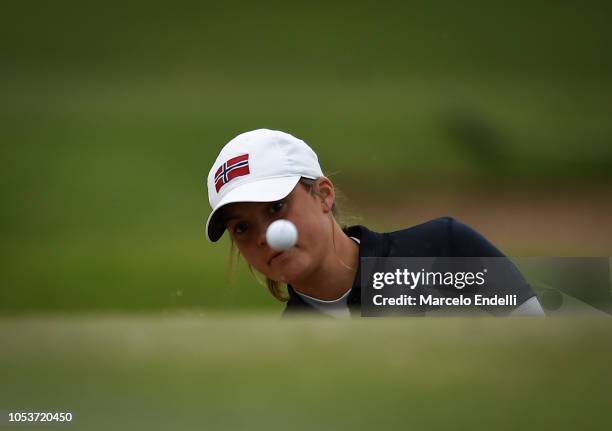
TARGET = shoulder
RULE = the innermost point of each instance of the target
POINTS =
(444, 236)
(437, 227)
(431, 238)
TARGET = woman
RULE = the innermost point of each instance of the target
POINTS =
(265, 175)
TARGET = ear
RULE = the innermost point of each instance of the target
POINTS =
(324, 188)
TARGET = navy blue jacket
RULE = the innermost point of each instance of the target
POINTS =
(442, 237)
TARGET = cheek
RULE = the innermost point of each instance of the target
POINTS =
(248, 252)
(313, 235)
(257, 258)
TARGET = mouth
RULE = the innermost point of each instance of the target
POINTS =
(274, 256)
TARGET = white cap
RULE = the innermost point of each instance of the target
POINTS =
(258, 166)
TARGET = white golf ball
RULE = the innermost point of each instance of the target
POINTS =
(281, 235)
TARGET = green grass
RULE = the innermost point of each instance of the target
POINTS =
(104, 205)
(111, 116)
(257, 372)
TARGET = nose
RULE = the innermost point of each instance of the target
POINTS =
(262, 228)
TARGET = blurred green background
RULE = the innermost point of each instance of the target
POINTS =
(112, 113)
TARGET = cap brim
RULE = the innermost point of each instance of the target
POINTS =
(267, 190)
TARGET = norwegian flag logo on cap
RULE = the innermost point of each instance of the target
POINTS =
(235, 167)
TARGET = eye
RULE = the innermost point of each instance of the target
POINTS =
(276, 207)
(240, 227)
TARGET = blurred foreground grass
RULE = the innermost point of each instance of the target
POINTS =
(202, 371)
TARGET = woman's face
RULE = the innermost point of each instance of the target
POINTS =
(247, 223)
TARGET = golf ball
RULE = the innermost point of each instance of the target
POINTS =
(281, 235)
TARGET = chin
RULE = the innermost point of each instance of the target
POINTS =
(292, 269)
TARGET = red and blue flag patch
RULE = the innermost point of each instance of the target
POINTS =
(235, 167)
